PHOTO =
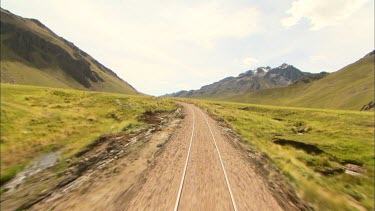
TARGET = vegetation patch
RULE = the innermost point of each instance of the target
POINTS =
(37, 120)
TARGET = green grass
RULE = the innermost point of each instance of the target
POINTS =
(341, 136)
(349, 88)
(11, 172)
(36, 120)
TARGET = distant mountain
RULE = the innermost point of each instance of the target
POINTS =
(34, 55)
(351, 87)
(250, 81)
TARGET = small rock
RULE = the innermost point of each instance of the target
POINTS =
(307, 129)
(263, 155)
(119, 138)
(368, 106)
(160, 145)
(180, 116)
(355, 168)
(91, 119)
(353, 173)
(227, 130)
(109, 148)
(220, 119)
(44, 192)
(67, 181)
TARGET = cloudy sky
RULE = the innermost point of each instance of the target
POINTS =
(165, 46)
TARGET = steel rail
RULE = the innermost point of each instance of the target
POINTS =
(222, 164)
(186, 164)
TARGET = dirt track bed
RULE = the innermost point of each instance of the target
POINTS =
(92, 169)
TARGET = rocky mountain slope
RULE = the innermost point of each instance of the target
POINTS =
(252, 80)
(32, 54)
(351, 87)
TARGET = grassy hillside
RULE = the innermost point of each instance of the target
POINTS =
(349, 88)
(31, 54)
(35, 120)
(311, 147)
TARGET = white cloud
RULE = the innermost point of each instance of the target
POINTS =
(201, 24)
(249, 62)
(212, 22)
(321, 13)
(146, 38)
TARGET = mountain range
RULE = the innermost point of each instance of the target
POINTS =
(351, 87)
(32, 54)
(249, 81)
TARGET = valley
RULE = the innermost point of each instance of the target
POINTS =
(75, 135)
(306, 146)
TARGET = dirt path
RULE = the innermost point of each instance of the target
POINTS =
(205, 186)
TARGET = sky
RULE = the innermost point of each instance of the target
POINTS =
(166, 46)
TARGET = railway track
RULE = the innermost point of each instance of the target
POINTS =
(187, 162)
(200, 169)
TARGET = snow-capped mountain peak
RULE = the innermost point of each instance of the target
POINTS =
(284, 66)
